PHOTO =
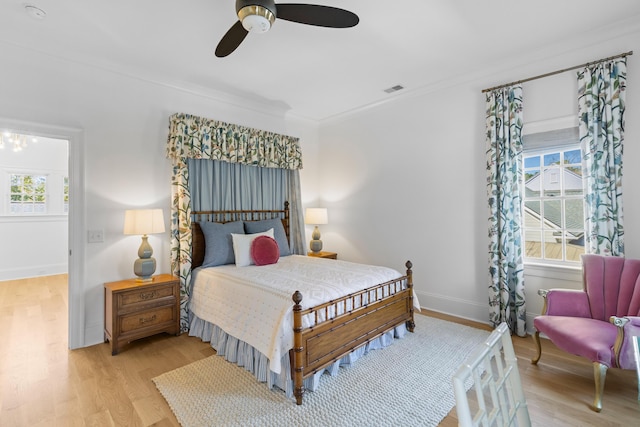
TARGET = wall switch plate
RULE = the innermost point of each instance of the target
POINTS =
(95, 236)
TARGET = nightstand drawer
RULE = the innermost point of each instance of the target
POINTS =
(134, 310)
(147, 319)
(145, 295)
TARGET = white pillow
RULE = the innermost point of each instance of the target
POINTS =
(242, 246)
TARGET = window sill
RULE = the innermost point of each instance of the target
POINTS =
(553, 271)
(33, 218)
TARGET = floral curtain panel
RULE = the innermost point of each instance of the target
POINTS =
(504, 122)
(192, 137)
(601, 106)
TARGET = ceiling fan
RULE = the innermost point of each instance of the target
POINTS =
(257, 16)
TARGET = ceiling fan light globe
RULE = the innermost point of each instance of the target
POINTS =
(256, 24)
(256, 19)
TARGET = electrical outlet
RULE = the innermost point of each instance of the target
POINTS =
(95, 236)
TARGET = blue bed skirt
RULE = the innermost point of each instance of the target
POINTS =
(242, 354)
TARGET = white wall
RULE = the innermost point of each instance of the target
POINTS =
(124, 124)
(34, 245)
(407, 180)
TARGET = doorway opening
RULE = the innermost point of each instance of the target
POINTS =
(48, 201)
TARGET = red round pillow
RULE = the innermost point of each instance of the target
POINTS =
(264, 250)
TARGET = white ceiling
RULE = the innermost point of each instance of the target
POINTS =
(309, 72)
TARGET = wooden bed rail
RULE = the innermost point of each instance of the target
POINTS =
(364, 316)
(236, 215)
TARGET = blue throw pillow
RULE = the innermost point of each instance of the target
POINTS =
(251, 227)
(218, 249)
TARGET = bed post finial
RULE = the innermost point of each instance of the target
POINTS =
(410, 323)
(297, 369)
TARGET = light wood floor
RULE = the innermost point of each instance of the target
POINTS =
(42, 383)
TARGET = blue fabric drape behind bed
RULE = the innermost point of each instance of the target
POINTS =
(218, 185)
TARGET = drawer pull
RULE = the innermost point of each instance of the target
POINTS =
(148, 295)
(147, 320)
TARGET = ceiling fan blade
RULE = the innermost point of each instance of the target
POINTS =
(231, 40)
(321, 16)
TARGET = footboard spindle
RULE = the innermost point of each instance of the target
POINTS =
(297, 348)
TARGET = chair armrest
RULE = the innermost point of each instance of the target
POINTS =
(565, 302)
(628, 327)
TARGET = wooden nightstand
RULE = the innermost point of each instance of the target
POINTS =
(134, 310)
(322, 254)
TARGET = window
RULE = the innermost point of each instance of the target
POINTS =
(553, 204)
(28, 194)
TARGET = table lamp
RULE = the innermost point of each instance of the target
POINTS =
(316, 216)
(144, 221)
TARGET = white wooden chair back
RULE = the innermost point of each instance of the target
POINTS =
(492, 372)
(636, 352)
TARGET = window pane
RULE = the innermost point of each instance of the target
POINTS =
(553, 214)
(573, 157)
(552, 182)
(532, 241)
(573, 181)
(552, 159)
(532, 183)
(575, 245)
(574, 213)
(553, 250)
(532, 162)
(532, 214)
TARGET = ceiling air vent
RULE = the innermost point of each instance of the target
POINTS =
(394, 88)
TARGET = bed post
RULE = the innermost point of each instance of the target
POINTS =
(410, 323)
(298, 349)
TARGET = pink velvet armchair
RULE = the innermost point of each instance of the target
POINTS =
(598, 322)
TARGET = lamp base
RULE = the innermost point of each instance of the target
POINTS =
(144, 269)
(315, 245)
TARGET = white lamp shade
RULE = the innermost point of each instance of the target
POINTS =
(316, 216)
(143, 221)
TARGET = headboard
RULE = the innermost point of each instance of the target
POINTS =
(198, 243)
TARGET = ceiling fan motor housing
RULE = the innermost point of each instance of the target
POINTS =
(257, 16)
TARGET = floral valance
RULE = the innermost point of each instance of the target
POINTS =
(193, 137)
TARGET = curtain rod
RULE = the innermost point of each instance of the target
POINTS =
(559, 71)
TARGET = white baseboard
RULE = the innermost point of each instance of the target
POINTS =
(33, 271)
(465, 309)
(94, 334)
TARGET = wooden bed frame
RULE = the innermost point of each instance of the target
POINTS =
(387, 305)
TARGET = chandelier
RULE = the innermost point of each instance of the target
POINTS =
(14, 140)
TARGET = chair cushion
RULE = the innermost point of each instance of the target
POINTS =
(589, 338)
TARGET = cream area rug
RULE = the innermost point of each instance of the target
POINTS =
(406, 383)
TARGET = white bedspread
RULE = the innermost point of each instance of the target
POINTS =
(254, 303)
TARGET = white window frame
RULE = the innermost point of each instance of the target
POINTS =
(23, 203)
(540, 150)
